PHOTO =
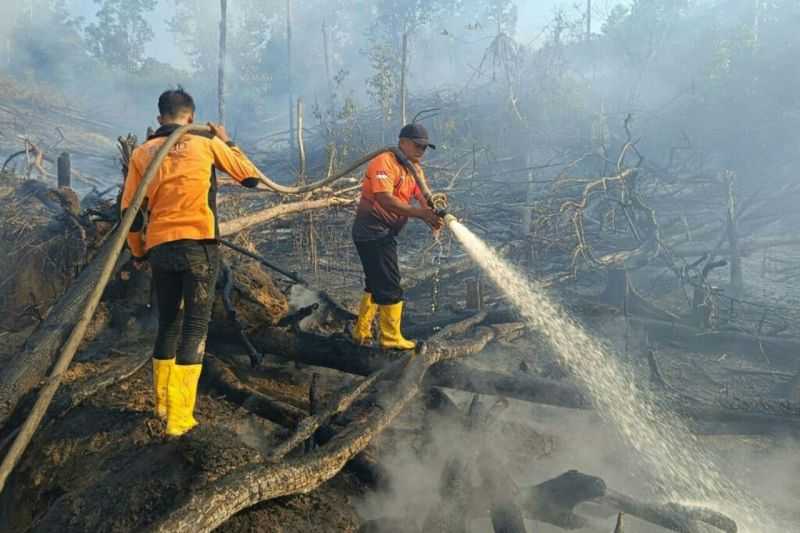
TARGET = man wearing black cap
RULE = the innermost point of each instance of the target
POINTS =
(383, 211)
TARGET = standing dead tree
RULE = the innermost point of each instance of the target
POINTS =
(223, 43)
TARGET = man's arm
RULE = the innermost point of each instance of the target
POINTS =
(230, 159)
(423, 202)
(420, 197)
(382, 176)
(390, 203)
(132, 180)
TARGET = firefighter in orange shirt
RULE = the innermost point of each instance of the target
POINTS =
(180, 243)
(382, 212)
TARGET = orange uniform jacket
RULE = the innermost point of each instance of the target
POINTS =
(385, 174)
(181, 199)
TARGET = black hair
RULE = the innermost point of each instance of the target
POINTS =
(174, 102)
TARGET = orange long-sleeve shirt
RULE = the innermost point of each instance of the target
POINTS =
(385, 174)
(181, 199)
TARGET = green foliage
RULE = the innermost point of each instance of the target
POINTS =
(119, 35)
(384, 83)
(645, 28)
(731, 50)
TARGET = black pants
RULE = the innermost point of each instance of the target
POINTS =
(184, 272)
(381, 271)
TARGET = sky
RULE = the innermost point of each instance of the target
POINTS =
(534, 16)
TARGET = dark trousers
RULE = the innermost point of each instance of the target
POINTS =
(184, 272)
(381, 271)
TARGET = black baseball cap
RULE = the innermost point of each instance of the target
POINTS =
(416, 133)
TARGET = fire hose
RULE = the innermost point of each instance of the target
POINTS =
(436, 201)
(108, 261)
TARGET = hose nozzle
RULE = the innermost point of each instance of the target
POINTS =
(438, 202)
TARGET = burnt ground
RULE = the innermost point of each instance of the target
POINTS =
(113, 448)
(110, 449)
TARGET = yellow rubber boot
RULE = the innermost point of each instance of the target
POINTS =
(391, 338)
(181, 397)
(362, 332)
(161, 372)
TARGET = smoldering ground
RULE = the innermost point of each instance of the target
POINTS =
(536, 443)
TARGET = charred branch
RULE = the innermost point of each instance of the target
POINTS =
(223, 380)
(340, 353)
(209, 507)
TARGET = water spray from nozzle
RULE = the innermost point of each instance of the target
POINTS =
(682, 468)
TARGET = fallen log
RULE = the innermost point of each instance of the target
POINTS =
(778, 349)
(456, 497)
(23, 373)
(499, 488)
(234, 226)
(223, 380)
(460, 327)
(745, 248)
(415, 278)
(339, 352)
(449, 514)
(105, 265)
(719, 420)
(554, 502)
(44, 244)
(74, 393)
(519, 386)
(340, 403)
(672, 516)
(431, 327)
(111, 371)
(208, 507)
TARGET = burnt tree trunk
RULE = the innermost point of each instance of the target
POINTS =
(64, 170)
(25, 371)
(208, 507)
(617, 288)
(737, 283)
(340, 353)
